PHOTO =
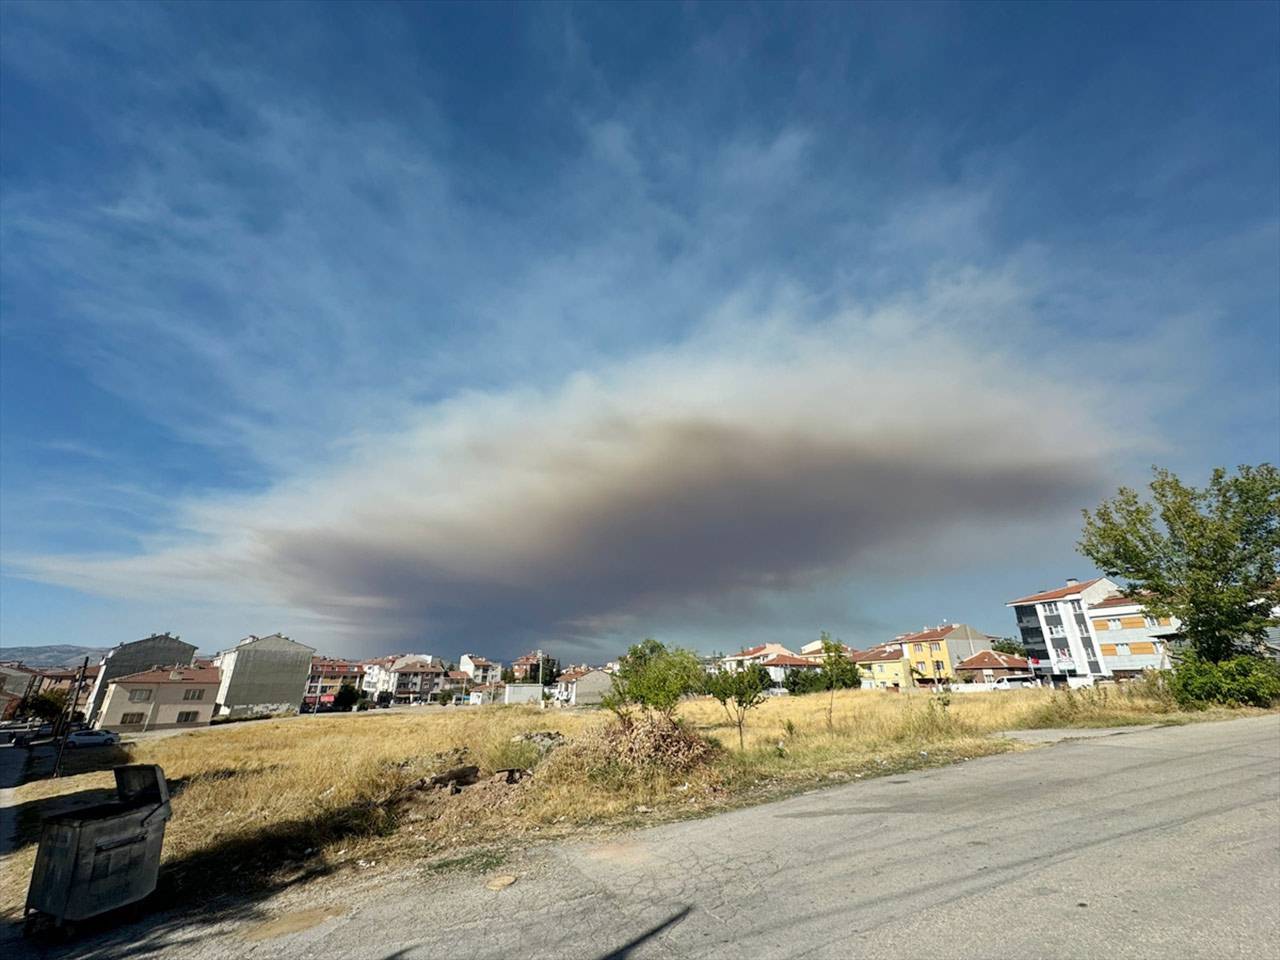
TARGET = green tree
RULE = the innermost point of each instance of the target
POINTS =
(839, 672)
(346, 697)
(739, 692)
(48, 704)
(800, 682)
(655, 678)
(1010, 646)
(1210, 557)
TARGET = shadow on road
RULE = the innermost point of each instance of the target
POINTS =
(624, 951)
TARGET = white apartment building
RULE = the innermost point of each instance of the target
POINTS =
(1130, 639)
(479, 669)
(1057, 632)
(1087, 631)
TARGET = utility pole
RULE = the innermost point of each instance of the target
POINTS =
(68, 714)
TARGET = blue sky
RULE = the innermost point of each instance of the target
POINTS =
(441, 327)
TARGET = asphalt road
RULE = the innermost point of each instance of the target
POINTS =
(1157, 843)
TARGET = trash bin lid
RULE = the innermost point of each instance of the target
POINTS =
(141, 782)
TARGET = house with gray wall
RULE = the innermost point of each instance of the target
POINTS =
(262, 676)
(157, 650)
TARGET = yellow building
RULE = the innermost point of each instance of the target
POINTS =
(883, 667)
(932, 654)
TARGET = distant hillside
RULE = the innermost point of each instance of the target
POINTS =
(54, 655)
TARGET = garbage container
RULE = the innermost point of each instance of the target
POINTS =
(102, 857)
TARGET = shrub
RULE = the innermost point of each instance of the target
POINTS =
(655, 678)
(1238, 681)
(639, 748)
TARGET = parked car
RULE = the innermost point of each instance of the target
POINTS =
(1015, 682)
(92, 738)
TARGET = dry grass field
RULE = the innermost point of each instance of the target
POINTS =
(270, 802)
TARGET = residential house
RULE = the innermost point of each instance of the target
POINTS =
(813, 650)
(66, 680)
(262, 676)
(159, 699)
(327, 676)
(122, 660)
(757, 654)
(986, 666)
(780, 665)
(1129, 639)
(934, 652)
(884, 667)
(480, 670)
(1057, 630)
(525, 669)
(17, 683)
(585, 686)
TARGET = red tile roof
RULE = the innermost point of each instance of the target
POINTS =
(932, 633)
(187, 675)
(885, 651)
(1069, 590)
(992, 660)
(784, 661)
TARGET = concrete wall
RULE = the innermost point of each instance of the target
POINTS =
(155, 651)
(161, 711)
(262, 676)
(590, 688)
(522, 693)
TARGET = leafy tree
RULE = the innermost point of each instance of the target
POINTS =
(1010, 646)
(838, 670)
(384, 698)
(48, 704)
(739, 692)
(508, 675)
(655, 678)
(1210, 557)
(346, 697)
(800, 682)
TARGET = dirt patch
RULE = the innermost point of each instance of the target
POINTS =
(294, 922)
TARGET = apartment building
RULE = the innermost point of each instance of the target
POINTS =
(415, 678)
(262, 676)
(1129, 639)
(933, 653)
(480, 670)
(1057, 630)
(125, 659)
(159, 699)
(328, 674)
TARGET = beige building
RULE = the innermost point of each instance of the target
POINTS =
(160, 699)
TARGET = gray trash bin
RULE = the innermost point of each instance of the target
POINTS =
(102, 857)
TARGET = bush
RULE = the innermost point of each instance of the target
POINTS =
(1239, 681)
(655, 678)
(636, 749)
(805, 681)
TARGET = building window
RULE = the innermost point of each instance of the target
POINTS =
(879, 668)
(1113, 623)
(128, 718)
(139, 696)
(935, 646)
(1122, 649)
(1151, 621)
(188, 716)
(919, 648)
(938, 668)
(1057, 630)
(1075, 606)
(194, 693)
